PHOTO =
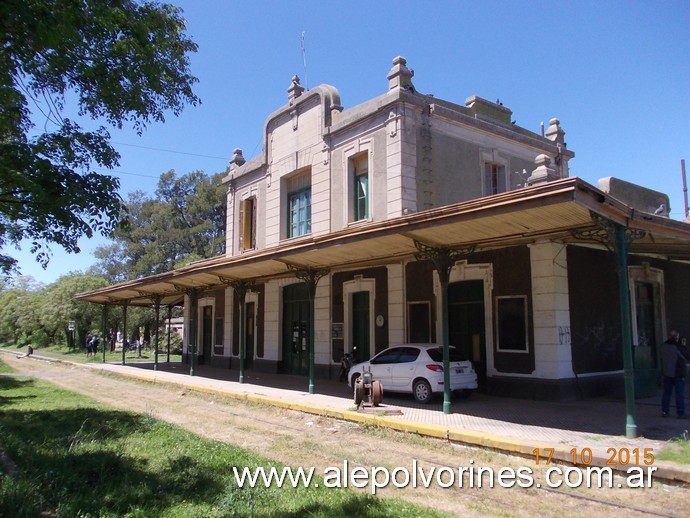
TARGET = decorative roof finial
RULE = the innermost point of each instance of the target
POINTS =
(295, 89)
(400, 76)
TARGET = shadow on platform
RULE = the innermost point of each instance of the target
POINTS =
(605, 416)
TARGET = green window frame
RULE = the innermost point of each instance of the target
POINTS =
(361, 188)
(299, 213)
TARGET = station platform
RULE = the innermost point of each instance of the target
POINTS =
(595, 427)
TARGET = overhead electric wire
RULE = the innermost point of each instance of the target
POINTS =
(170, 151)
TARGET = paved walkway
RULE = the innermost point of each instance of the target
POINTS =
(512, 425)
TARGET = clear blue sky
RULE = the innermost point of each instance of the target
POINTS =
(616, 73)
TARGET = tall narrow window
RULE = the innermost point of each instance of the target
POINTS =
(299, 205)
(361, 190)
(248, 224)
(494, 179)
(299, 213)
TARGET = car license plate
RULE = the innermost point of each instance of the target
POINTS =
(460, 370)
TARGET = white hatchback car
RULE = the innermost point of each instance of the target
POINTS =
(417, 369)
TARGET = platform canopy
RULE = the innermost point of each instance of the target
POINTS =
(563, 210)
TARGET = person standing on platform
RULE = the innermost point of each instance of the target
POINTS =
(674, 357)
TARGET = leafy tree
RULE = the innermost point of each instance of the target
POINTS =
(10, 303)
(119, 61)
(32, 313)
(60, 307)
(20, 309)
(184, 221)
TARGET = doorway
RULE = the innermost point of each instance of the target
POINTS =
(646, 326)
(296, 329)
(466, 324)
(645, 357)
(206, 333)
(361, 325)
(249, 334)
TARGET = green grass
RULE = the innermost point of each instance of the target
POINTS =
(78, 458)
(678, 450)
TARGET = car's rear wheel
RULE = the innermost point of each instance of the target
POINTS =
(422, 391)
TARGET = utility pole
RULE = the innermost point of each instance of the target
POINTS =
(685, 187)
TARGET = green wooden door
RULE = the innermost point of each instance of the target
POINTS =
(295, 329)
(466, 328)
(361, 325)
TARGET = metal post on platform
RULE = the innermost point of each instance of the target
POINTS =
(241, 288)
(241, 292)
(191, 341)
(443, 259)
(104, 327)
(310, 277)
(125, 304)
(157, 300)
(626, 325)
(617, 238)
(170, 306)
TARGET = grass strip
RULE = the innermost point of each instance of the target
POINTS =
(66, 455)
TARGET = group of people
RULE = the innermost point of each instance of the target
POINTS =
(91, 345)
(674, 358)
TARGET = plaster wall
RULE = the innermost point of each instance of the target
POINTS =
(451, 164)
(295, 145)
(551, 311)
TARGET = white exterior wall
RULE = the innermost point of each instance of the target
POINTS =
(551, 311)
(272, 318)
(295, 143)
(271, 208)
(322, 322)
(230, 219)
(401, 160)
(396, 305)
(320, 196)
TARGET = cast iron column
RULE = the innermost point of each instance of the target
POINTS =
(170, 306)
(311, 278)
(444, 259)
(191, 341)
(104, 327)
(241, 288)
(157, 300)
(622, 240)
(617, 238)
(124, 330)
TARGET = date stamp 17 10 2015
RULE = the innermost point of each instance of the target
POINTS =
(585, 456)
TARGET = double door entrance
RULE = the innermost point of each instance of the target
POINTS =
(466, 323)
(295, 332)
